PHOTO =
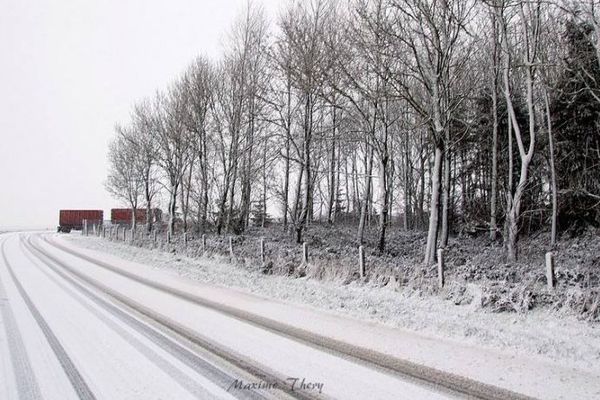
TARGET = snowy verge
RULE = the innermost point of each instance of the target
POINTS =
(461, 339)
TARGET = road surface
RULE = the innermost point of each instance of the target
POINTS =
(76, 327)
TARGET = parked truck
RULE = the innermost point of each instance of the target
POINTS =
(122, 216)
(74, 219)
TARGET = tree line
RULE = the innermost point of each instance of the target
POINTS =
(447, 114)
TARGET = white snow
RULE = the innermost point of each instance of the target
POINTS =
(540, 354)
(8, 389)
(52, 381)
(108, 363)
(341, 378)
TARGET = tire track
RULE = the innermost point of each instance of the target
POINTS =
(261, 372)
(77, 381)
(424, 375)
(187, 357)
(27, 386)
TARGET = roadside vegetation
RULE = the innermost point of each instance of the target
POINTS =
(403, 126)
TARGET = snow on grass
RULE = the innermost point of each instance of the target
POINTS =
(540, 333)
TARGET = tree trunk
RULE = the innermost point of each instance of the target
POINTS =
(133, 217)
(365, 203)
(172, 207)
(204, 217)
(355, 196)
(347, 182)
(384, 198)
(407, 185)
(494, 183)
(185, 197)
(263, 216)
(222, 206)
(552, 172)
(430, 250)
(204, 183)
(307, 200)
(513, 214)
(332, 176)
(286, 181)
(232, 191)
(298, 195)
(149, 213)
(421, 198)
(446, 194)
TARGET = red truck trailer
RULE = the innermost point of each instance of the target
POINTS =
(122, 216)
(73, 219)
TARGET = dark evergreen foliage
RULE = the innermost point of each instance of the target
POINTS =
(576, 121)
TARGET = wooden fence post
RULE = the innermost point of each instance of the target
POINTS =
(550, 270)
(361, 261)
(168, 236)
(154, 235)
(262, 251)
(441, 281)
(203, 244)
(185, 239)
(84, 229)
(304, 253)
(230, 247)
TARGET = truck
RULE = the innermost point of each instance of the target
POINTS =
(74, 219)
(122, 216)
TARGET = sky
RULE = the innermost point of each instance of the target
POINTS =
(70, 70)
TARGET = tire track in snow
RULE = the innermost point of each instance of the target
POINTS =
(77, 381)
(27, 386)
(425, 375)
(196, 363)
(261, 372)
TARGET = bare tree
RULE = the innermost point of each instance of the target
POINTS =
(198, 89)
(429, 34)
(173, 139)
(283, 106)
(304, 28)
(123, 180)
(145, 144)
(520, 22)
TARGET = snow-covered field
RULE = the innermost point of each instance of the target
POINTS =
(542, 334)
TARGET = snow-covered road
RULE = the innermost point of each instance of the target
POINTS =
(71, 328)
(67, 341)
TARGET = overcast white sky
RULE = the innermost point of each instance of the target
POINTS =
(68, 71)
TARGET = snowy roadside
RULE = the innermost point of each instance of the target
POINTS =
(540, 334)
